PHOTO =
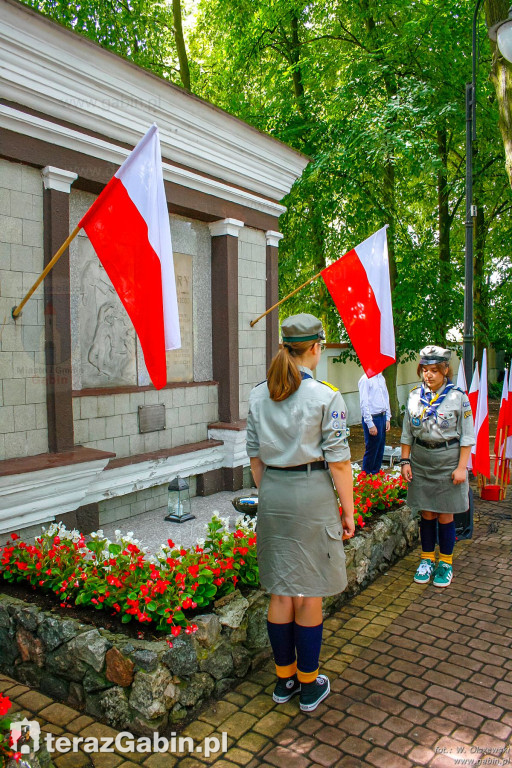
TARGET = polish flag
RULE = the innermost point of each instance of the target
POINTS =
(481, 458)
(461, 378)
(473, 391)
(128, 226)
(508, 447)
(473, 400)
(359, 285)
(501, 429)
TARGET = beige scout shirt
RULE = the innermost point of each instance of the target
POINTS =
(310, 425)
(454, 419)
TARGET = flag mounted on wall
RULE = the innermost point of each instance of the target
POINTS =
(359, 285)
(128, 226)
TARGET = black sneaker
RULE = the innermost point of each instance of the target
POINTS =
(313, 693)
(286, 687)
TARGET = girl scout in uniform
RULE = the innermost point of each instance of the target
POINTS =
(296, 427)
(436, 442)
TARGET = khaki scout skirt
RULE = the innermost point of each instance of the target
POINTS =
(431, 488)
(300, 546)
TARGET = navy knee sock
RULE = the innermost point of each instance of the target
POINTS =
(282, 640)
(308, 641)
(428, 535)
(446, 541)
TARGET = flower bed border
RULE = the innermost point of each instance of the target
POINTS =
(143, 686)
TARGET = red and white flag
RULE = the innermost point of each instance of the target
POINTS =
(508, 446)
(128, 226)
(461, 378)
(481, 458)
(500, 441)
(359, 285)
(473, 391)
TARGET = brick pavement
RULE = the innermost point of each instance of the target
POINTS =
(419, 677)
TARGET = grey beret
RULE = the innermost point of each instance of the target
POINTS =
(302, 327)
(430, 355)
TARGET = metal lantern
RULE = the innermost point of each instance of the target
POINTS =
(178, 503)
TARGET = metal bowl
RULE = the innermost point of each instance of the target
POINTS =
(246, 505)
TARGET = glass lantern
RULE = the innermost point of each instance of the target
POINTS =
(178, 503)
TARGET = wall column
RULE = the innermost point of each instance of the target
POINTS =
(57, 291)
(225, 339)
(272, 296)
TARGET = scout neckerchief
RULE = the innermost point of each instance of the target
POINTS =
(432, 404)
(305, 375)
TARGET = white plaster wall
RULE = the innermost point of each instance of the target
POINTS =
(23, 419)
(252, 255)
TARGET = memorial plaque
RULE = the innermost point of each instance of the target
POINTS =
(151, 417)
(107, 336)
(180, 362)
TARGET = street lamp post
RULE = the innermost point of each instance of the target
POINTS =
(501, 33)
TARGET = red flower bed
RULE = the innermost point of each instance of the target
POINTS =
(374, 493)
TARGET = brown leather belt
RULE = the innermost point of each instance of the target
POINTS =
(302, 467)
(431, 444)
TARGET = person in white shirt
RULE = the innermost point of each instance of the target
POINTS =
(376, 418)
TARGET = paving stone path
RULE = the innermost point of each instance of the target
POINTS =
(419, 677)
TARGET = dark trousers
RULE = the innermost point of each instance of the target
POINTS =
(375, 444)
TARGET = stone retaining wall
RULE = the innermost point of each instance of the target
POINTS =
(142, 686)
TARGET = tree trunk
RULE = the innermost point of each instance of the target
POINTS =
(444, 229)
(501, 76)
(180, 44)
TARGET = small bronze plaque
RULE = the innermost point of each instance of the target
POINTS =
(151, 417)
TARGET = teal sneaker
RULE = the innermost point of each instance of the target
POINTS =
(313, 693)
(443, 575)
(425, 572)
(286, 687)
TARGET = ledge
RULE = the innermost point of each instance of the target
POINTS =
(236, 426)
(42, 461)
(101, 391)
(164, 453)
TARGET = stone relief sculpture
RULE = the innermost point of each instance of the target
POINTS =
(107, 338)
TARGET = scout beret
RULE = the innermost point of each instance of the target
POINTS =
(302, 327)
(431, 354)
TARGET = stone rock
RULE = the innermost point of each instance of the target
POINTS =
(257, 635)
(361, 569)
(28, 616)
(29, 674)
(208, 629)
(119, 668)
(232, 614)
(93, 705)
(145, 659)
(148, 694)
(5, 618)
(76, 697)
(90, 647)
(218, 664)
(10, 650)
(30, 647)
(55, 631)
(238, 635)
(225, 599)
(54, 687)
(223, 686)
(200, 686)
(114, 703)
(142, 727)
(178, 713)
(64, 663)
(241, 660)
(94, 682)
(181, 659)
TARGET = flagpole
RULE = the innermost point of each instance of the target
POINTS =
(17, 310)
(253, 322)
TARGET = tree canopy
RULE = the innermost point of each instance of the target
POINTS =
(374, 93)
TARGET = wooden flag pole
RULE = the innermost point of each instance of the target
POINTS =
(253, 322)
(17, 310)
